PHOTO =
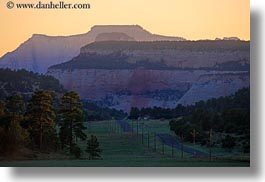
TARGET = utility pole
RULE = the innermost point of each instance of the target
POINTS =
(211, 141)
(142, 133)
(155, 141)
(109, 127)
(148, 139)
(89, 125)
(162, 147)
(116, 127)
(193, 133)
(137, 129)
(172, 150)
(182, 154)
(132, 127)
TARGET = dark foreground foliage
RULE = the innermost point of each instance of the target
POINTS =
(41, 125)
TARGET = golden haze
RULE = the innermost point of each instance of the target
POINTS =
(191, 19)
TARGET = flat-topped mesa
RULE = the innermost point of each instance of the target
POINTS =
(232, 38)
(114, 36)
(134, 31)
(228, 39)
(42, 51)
(116, 27)
(37, 36)
(221, 55)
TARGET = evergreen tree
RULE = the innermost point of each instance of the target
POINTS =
(2, 109)
(202, 117)
(15, 104)
(71, 119)
(228, 142)
(76, 150)
(93, 148)
(40, 115)
(12, 135)
(134, 113)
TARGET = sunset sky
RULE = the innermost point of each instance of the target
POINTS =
(191, 19)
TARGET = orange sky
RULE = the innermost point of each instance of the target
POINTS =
(191, 19)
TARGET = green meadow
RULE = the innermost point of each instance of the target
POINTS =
(121, 149)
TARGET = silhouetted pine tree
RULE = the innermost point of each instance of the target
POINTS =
(71, 121)
(93, 148)
(40, 114)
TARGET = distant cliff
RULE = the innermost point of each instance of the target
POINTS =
(123, 89)
(215, 85)
(40, 51)
(122, 75)
(163, 55)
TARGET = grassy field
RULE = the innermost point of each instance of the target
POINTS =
(126, 149)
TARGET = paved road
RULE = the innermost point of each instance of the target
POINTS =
(125, 126)
(170, 140)
(166, 139)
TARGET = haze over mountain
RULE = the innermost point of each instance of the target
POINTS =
(122, 75)
(41, 51)
(125, 66)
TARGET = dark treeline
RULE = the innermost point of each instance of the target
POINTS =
(241, 99)
(229, 115)
(25, 82)
(94, 112)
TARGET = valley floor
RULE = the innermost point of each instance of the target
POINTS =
(129, 150)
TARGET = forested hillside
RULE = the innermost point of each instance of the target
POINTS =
(25, 82)
(239, 100)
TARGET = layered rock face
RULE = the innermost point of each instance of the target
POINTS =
(182, 55)
(215, 85)
(123, 89)
(129, 74)
(41, 51)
